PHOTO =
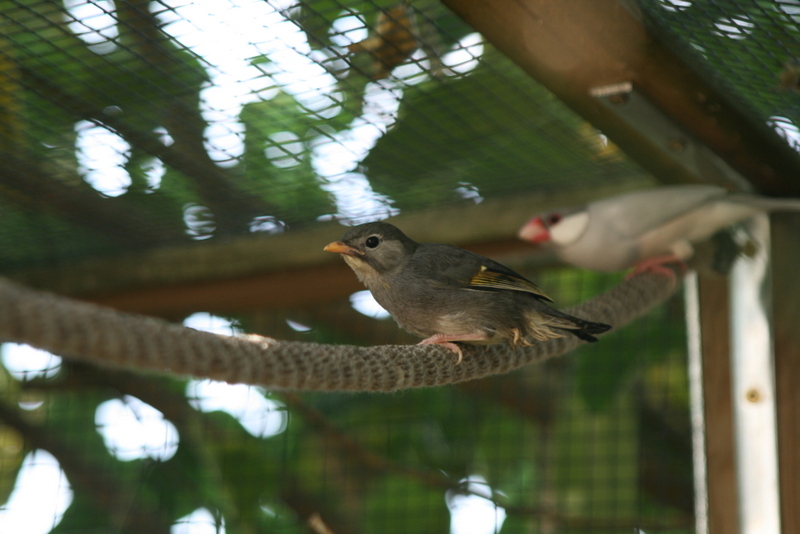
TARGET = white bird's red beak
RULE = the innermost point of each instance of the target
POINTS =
(534, 231)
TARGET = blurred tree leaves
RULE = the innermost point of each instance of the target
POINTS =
(742, 46)
(375, 463)
(605, 375)
(457, 133)
(367, 462)
(316, 18)
(293, 186)
(517, 137)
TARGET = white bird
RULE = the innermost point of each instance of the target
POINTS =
(644, 228)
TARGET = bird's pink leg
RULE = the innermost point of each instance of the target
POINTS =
(658, 264)
(445, 341)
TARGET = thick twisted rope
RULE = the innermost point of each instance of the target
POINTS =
(101, 335)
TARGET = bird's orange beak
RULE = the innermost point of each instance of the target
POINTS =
(340, 248)
(534, 231)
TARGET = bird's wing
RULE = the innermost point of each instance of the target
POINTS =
(458, 267)
(488, 278)
(634, 214)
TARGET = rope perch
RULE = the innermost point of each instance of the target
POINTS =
(92, 333)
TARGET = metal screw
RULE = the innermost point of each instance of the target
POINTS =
(676, 145)
(749, 248)
(753, 395)
(619, 99)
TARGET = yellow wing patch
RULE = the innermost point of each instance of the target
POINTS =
(496, 280)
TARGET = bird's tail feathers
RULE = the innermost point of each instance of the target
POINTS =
(586, 330)
(581, 328)
(766, 203)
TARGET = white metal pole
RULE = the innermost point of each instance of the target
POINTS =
(753, 380)
(697, 407)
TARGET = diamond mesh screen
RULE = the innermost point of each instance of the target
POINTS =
(135, 125)
(748, 48)
(140, 124)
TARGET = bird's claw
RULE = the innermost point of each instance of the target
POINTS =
(518, 339)
(658, 265)
(440, 339)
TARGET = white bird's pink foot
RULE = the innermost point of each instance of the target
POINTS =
(658, 265)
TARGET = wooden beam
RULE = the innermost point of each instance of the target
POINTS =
(298, 287)
(786, 313)
(572, 46)
(289, 269)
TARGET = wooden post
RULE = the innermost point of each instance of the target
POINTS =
(786, 324)
(720, 453)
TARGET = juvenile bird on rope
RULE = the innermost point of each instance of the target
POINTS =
(645, 229)
(445, 294)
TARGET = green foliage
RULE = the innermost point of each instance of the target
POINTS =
(364, 462)
(316, 17)
(744, 58)
(12, 450)
(384, 462)
(607, 373)
(391, 498)
(293, 187)
(516, 138)
(607, 444)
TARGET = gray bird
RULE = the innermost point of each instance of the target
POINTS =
(444, 293)
(644, 228)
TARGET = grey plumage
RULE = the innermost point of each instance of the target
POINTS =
(444, 293)
(618, 232)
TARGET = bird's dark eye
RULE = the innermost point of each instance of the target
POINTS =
(373, 241)
(553, 218)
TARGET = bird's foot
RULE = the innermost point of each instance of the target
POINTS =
(446, 340)
(658, 265)
(448, 345)
(518, 339)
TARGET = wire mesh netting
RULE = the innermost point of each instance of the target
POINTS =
(142, 124)
(135, 125)
(599, 442)
(748, 48)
